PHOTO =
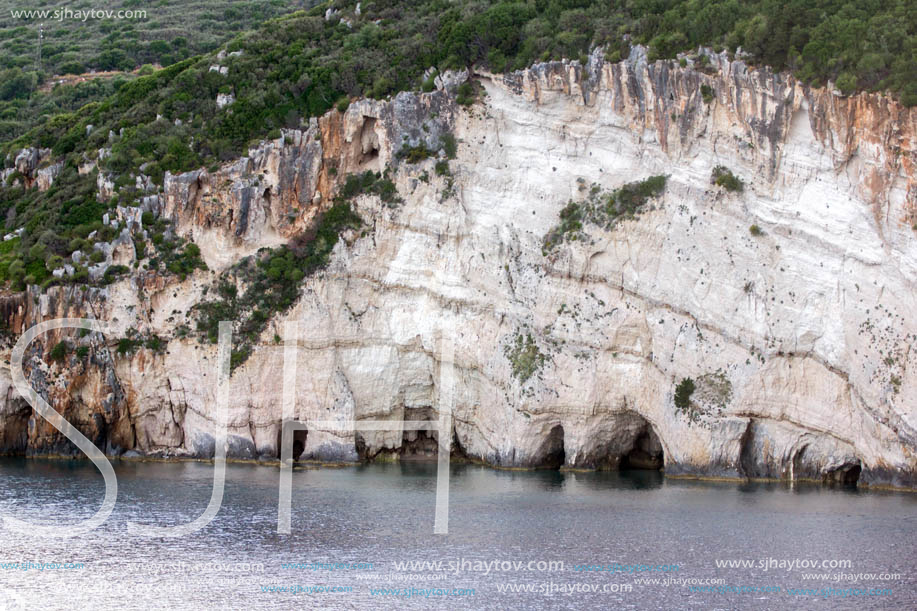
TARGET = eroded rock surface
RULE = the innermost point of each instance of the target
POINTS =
(800, 339)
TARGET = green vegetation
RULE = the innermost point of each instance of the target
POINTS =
(450, 145)
(683, 393)
(602, 209)
(370, 183)
(755, 230)
(258, 287)
(27, 108)
(301, 65)
(59, 351)
(135, 340)
(127, 345)
(524, 357)
(706, 92)
(723, 177)
(176, 256)
(415, 154)
(171, 32)
(467, 93)
(56, 222)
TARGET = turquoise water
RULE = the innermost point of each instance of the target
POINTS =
(359, 529)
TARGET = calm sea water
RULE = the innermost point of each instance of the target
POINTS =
(353, 527)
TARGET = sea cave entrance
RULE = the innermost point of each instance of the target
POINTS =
(646, 453)
(628, 442)
(299, 443)
(847, 475)
(551, 454)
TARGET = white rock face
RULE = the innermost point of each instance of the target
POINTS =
(800, 340)
(225, 99)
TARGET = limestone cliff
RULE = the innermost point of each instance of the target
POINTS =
(799, 336)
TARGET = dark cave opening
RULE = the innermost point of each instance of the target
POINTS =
(552, 454)
(847, 475)
(369, 142)
(299, 443)
(646, 453)
(419, 445)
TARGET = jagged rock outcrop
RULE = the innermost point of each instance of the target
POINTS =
(798, 336)
(32, 168)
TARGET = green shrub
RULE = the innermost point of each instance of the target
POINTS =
(126, 345)
(112, 273)
(723, 177)
(466, 95)
(683, 393)
(524, 357)
(603, 209)
(414, 154)
(846, 83)
(706, 93)
(371, 183)
(59, 351)
(154, 343)
(449, 144)
(755, 230)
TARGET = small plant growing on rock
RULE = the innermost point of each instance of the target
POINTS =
(755, 231)
(467, 93)
(59, 351)
(723, 177)
(602, 209)
(449, 144)
(126, 345)
(414, 154)
(524, 356)
(683, 393)
(706, 93)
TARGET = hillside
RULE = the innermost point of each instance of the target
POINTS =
(123, 37)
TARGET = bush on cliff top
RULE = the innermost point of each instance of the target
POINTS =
(301, 65)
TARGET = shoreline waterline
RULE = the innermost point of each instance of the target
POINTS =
(308, 465)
